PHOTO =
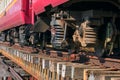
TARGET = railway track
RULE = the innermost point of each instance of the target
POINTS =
(81, 57)
(56, 65)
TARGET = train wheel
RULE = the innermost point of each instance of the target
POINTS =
(7, 38)
(99, 49)
(104, 47)
(31, 40)
(2, 36)
(43, 45)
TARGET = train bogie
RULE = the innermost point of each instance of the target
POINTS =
(94, 29)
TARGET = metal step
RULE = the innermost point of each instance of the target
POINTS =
(61, 30)
(59, 39)
(59, 36)
(90, 33)
(90, 42)
(58, 42)
(89, 28)
(90, 36)
(90, 39)
(58, 26)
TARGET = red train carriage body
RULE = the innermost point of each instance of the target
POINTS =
(16, 13)
(19, 12)
(39, 5)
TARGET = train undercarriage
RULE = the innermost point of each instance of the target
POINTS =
(89, 26)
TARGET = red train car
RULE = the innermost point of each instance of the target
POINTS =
(18, 12)
(14, 13)
(39, 5)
